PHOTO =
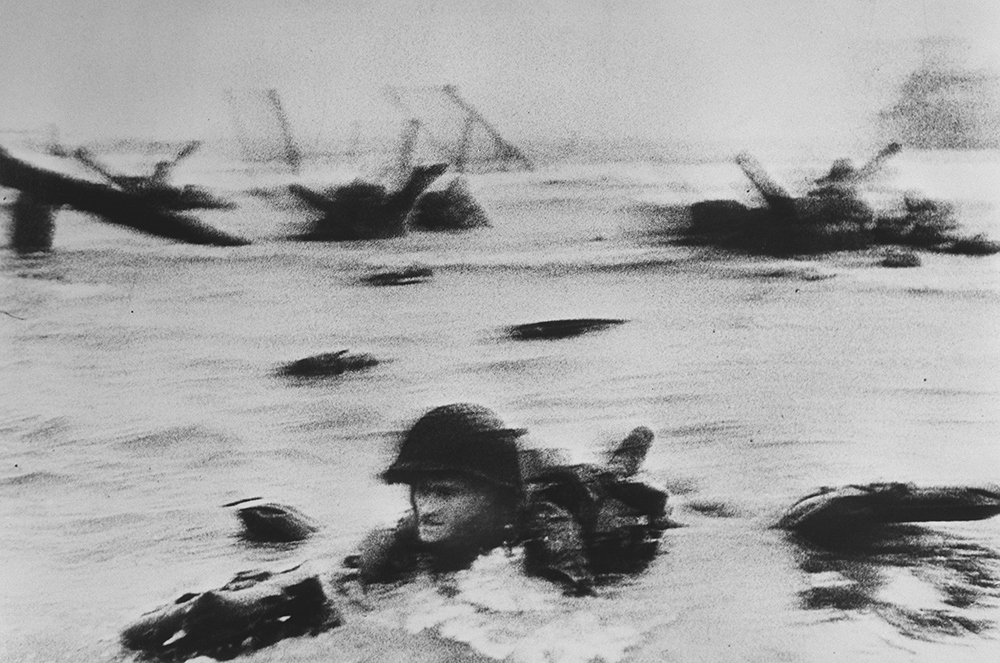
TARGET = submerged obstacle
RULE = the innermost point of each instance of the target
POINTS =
(363, 210)
(43, 191)
(830, 217)
(32, 224)
(555, 329)
(450, 208)
(155, 186)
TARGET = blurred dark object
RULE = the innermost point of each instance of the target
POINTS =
(553, 329)
(328, 363)
(156, 186)
(32, 224)
(832, 216)
(363, 210)
(900, 258)
(923, 583)
(832, 511)
(407, 276)
(272, 523)
(251, 611)
(136, 210)
(450, 208)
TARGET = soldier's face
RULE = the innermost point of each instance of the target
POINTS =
(451, 509)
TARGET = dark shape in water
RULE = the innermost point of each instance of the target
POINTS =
(451, 208)
(363, 210)
(553, 329)
(977, 245)
(328, 363)
(272, 523)
(407, 276)
(835, 510)
(32, 224)
(251, 611)
(831, 217)
(135, 210)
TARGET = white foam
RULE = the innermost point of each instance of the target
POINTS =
(504, 614)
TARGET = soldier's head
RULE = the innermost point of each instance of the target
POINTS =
(462, 466)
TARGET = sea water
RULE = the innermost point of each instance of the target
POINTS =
(139, 394)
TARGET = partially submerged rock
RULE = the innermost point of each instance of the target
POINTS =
(328, 363)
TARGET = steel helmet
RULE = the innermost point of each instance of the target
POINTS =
(468, 439)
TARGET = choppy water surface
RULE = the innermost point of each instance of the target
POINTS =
(139, 395)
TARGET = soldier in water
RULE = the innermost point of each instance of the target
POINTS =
(468, 496)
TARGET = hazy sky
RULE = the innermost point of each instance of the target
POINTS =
(736, 70)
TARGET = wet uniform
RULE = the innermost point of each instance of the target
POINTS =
(579, 523)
